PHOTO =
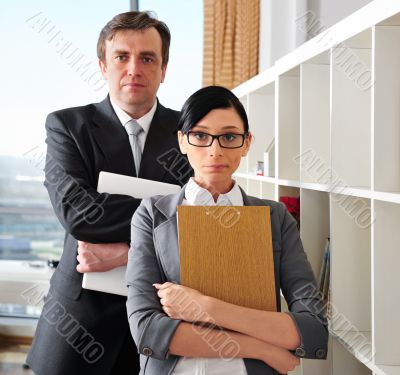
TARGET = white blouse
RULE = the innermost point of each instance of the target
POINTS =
(198, 196)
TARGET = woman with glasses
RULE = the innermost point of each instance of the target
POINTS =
(213, 132)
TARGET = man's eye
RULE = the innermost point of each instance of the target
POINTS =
(229, 137)
(120, 58)
(148, 60)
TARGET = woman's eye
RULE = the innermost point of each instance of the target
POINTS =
(229, 137)
(200, 136)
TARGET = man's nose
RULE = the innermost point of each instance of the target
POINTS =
(133, 67)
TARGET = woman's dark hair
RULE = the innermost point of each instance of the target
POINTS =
(204, 101)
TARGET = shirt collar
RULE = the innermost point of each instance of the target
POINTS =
(198, 196)
(144, 121)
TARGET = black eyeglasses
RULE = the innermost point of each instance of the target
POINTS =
(228, 140)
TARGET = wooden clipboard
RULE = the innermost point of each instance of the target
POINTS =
(226, 252)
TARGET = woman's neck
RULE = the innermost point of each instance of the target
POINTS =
(215, 188)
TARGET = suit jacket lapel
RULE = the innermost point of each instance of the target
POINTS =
(160, 140)
(112, 139)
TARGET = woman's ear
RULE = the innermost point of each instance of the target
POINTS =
(182, 143)
(246, 146)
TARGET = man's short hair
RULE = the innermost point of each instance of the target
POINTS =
(134, 21)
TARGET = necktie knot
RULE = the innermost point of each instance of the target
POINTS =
(133, 128)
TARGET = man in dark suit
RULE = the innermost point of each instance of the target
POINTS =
(82, 331)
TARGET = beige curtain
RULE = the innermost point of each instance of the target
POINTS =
(231, 34)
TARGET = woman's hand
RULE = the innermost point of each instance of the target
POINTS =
(183, 303)
(280, 359)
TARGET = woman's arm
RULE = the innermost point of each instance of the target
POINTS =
(300, 290)
(189, 305)
(151, 329)
(275, 328)
(190, 340)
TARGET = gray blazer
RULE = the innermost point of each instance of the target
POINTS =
(154, 258)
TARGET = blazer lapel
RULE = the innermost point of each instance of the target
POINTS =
(159, 141)
(166, 235)
(112, 139)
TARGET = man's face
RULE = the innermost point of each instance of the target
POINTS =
(134, 70)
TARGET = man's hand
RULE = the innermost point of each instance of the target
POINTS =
(101, 257)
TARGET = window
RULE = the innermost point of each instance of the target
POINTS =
(49, 62)
(184, 72)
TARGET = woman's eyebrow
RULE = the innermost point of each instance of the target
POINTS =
(227, 127)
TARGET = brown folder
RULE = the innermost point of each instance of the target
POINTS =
(226, 253)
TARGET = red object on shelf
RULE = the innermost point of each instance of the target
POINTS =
(293, 206)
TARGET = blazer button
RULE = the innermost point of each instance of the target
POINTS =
(300, 352)
(320, 353)
(147, 352)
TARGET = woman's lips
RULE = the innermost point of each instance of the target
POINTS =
(217, 166)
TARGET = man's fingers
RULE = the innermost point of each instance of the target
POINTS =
(95, 267)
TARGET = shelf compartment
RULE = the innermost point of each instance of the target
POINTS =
(241, 181)
(386, 258)
(289, 183)
(289, 125)
(268, 190)
(252, 176)
(387, 370)
(350, 263)
(254, 188)
(351, 112)
(314, 226)
(359, 344)
(345, 363)
(315, 120)
(386, 108)
(288, 191)
(261, 114)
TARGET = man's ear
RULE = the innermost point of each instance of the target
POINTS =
(103, 69)
(182, 142)
(163, 72)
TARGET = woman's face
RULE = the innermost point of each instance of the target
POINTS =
(215, 165)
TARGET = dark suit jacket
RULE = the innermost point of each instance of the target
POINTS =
(154, 258)
(81, 142)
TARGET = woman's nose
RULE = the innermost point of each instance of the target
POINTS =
(215, 148)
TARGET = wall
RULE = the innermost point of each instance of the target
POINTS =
(279, 31)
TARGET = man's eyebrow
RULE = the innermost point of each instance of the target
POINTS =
(120, 52)
(148, 53)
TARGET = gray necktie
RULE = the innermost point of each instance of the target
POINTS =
(133, 129)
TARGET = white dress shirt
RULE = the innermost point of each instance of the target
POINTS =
(198, 196)
(144, 121)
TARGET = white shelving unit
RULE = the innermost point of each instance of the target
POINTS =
(333, 107)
